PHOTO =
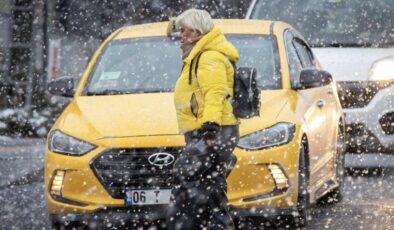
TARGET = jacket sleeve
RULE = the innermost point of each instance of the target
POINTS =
(212, 79)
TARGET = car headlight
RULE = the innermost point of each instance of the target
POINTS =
(278, 134)
(61, 143)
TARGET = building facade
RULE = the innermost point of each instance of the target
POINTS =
(22, 48)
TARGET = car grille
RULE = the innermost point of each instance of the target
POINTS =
(121, 169)
(387, 123)
(357, 94)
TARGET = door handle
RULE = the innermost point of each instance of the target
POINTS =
(320, 103)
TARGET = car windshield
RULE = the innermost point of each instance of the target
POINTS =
(146, 65)
(334, 22)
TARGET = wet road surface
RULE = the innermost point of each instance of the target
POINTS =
(368, 201)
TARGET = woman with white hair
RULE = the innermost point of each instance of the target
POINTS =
(202, 97)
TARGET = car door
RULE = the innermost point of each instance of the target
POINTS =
(311, 105)
(326, 104)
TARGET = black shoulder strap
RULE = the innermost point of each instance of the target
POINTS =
(195, 67)
(234, 66)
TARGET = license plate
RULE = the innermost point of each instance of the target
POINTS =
(147, 197)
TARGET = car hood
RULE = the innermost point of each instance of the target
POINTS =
(113, 116)
(272, 103)
(350, 63)
(133, 115)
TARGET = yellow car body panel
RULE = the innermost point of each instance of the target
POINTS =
(117, 116)
(149, 120)
(251, 177)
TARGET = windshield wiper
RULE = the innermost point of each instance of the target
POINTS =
(327, 44)
(105, 92)
(117, 92)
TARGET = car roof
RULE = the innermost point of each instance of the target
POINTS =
(227, 26)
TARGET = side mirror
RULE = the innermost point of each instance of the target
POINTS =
(64, 86)
(311, 78)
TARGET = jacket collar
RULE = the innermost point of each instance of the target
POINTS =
(203, 43)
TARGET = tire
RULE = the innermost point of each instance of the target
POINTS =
(303, 190)
(59, 225)
(55, 223)
(335, 195)
(246, 223)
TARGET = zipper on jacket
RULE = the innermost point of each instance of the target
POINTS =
(194, 105)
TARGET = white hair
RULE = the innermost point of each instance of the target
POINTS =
(198, 20)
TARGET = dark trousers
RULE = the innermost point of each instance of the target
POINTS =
(202, 202)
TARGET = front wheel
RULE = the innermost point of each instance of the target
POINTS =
(335, 195)
(303, 190)
(57, 224)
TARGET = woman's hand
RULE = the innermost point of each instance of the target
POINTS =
(210, 143)
(210, 132)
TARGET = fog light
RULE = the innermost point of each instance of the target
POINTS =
(279, 177)
(57, 183)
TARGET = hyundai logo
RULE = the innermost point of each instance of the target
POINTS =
(161, 159)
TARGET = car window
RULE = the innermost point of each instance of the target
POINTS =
(135, 65)
(293, 59)
(334, 22)
(259, 52)
(154, 64)
(304, 53)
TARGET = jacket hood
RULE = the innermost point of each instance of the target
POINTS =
(214, 40)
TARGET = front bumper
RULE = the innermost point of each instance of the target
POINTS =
(369, 129)
(250, 187)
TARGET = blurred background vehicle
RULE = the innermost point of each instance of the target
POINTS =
(353, 40)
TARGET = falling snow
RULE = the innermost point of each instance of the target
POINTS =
(41, 41)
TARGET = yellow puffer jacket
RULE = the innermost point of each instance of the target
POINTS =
(208, 96)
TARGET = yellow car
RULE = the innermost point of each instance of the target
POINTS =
(109, 156)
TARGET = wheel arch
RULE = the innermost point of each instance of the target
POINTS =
(305, 146)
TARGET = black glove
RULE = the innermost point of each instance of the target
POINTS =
(210, 130)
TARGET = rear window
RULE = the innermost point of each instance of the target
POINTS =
(147, 65)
